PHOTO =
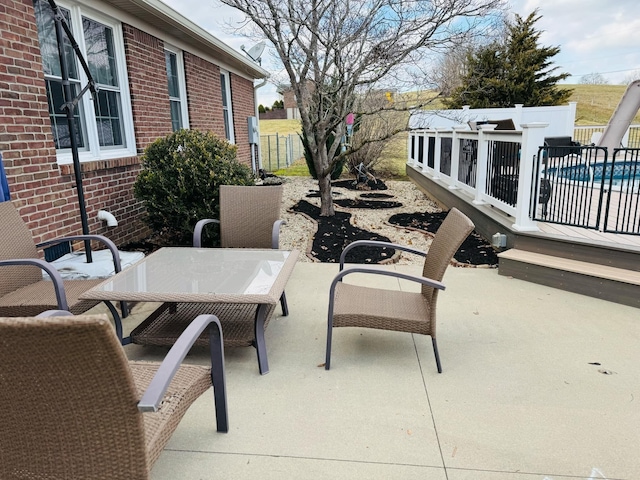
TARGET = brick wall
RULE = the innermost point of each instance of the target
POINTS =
(148, 86)
(204, 95)
(44, 191)
(243, 108)
(25, 131)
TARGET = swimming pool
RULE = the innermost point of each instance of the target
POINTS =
(622, 174)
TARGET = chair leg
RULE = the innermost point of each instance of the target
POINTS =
(283, 304)
(117, 320)
(124, 308)
(216, 349)
(327, 360)
(435, 351)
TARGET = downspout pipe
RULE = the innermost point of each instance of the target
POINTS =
(255, 103)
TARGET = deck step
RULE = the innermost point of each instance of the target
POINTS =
(608, 283)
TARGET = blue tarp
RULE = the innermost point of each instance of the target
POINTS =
(4, 186)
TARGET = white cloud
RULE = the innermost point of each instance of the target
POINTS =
(593, 35)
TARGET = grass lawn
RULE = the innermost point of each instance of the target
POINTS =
(281, 127)
(596, 103)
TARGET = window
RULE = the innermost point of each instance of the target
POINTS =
(103, 123)
(225, 85)
(177, 89)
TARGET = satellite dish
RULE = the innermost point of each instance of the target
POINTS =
(255, 52)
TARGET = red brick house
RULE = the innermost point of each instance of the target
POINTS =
(156, 72)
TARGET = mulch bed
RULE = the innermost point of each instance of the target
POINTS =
(475, 250)
(353, 185)
(360, 203)
(376, 195)
(335, 233)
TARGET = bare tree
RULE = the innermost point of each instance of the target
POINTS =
(335, 49)
(631, 77)
(593, 79)
(372, 132)
(450, 68)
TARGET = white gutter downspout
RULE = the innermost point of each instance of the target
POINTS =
(255, 103)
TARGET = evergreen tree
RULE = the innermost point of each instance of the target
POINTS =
(518, 71)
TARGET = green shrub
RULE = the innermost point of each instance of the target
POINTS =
(180, 179)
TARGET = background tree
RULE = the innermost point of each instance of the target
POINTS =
(631, 77)
(593, 79)
(451, 67)
(278, 105)
(370, 133)
(332, 50)
(516, 71)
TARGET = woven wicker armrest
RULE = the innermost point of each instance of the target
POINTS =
(154, 393)
(390, 273)
(377, 243)
(98, 238)
(58, 284)
(197, 231)
(275, 234)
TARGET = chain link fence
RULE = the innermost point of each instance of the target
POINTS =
(280, 151)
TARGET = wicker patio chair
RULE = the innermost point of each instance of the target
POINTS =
(249, 218)
(359, 306)
(23, 291)
(74, 409)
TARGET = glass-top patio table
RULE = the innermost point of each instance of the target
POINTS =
(240, 286)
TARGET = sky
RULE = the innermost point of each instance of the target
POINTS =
(594, 36)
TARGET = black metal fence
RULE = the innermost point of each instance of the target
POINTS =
(280, 151)
(585, 187)
(622, 213)
(503, 171)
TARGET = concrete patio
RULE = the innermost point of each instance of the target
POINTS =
(537, 383)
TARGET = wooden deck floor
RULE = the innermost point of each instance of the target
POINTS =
(589, 234)
(587, 205)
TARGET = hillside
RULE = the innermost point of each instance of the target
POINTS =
(596, 103)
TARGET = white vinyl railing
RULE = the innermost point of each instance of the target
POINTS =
(490, 167)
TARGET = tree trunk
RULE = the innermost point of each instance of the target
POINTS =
(326, 199)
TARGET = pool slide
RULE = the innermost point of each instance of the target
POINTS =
(621, 118)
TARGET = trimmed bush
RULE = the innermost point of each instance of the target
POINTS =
(179, 183)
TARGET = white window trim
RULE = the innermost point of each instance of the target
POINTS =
(182, 83)
(227, 77)
(94, 151)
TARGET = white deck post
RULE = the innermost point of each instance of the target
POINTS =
(410, 139)
(482, 161)
(455, 157)
(436, 154)
(532, 139)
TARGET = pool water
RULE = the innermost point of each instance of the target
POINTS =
(624, 173)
